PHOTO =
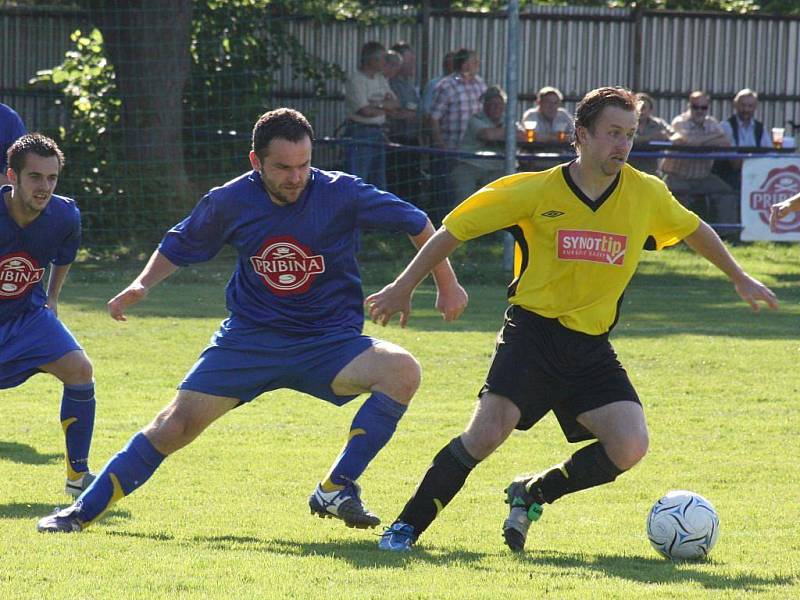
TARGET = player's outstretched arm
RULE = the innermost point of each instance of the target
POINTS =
(396, 297)
(157, 269)
(58, 275)
(780, 209)
(707, 244)
(451, 298)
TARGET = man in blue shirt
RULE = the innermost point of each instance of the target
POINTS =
(11, 129)
(296, 316)
(37, 229)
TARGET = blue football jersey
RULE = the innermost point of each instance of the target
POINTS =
(53, 237)
(297, 270)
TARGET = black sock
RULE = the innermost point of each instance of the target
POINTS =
(444, 478)
(588, 467)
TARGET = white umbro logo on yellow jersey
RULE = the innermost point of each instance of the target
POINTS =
(552, 213)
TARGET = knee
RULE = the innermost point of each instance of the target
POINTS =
(171, 430)
(406, 375)
(481, 441)
(633, 449)
(85, 370)
(80, 371)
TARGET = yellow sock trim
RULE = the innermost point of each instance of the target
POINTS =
(116, 496)
(329, 486)
(355, 432)
(438, 504)
(72, 474)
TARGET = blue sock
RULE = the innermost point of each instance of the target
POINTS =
(124, 473)
(372, 428)
(77, 421)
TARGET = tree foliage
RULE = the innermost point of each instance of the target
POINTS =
(92, 138)
(237, 48)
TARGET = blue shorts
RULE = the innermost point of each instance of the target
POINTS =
(244, 362)
(30, 340)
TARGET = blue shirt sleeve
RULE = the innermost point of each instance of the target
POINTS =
(377, 209)
(69, 248)
(198, 238)
(11, 129)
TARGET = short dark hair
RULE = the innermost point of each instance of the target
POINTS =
(494, 91)
(592, 104)
(370, 50)
(461, 56)
(284, 123)
(33, 143)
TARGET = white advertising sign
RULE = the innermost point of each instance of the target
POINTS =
(766, 181)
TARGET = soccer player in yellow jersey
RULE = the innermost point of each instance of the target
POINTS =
(580, 229)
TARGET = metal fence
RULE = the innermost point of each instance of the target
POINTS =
(576, 49)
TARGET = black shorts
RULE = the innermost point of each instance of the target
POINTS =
(540, 365)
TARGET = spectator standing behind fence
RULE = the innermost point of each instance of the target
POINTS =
(430, 87)
(11, 129)
(403, 169)
(455, 99)
(651, 129)
(742, 129)
(368, 99)
(687, 177)
(484, 130)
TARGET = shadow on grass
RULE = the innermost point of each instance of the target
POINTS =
(362, 554)
(20, 510)
(365, 554)
(37, 510)
(26, 455)
(160, 536)
(655, 570)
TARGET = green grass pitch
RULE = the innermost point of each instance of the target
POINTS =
(227, 517)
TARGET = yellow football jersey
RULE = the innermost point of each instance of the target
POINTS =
(574, 257)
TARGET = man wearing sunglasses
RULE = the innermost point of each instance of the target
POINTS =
(690, 178)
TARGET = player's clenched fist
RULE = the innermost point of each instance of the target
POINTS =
(129, 296)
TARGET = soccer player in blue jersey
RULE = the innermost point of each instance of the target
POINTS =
(37, 229)
(296, 316)
(11, 129)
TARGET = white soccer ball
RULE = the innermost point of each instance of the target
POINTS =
(683, 526)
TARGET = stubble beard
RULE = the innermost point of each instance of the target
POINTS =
(277, 196)
(29, 202)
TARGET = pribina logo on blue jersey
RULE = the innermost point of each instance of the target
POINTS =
(18, 272)
(286, 266)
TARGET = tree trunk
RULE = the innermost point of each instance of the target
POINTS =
(147, 42)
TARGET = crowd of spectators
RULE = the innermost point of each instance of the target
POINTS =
(459, 122)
